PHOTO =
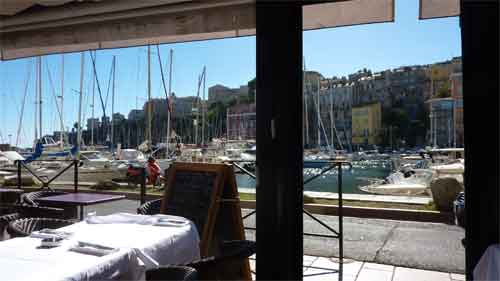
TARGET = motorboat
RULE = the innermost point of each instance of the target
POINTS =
(94, 158)
(404, 182)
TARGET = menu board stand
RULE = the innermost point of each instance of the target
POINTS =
(207, 194)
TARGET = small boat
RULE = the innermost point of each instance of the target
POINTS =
(407, 189)
(450, 168)
(404, 182)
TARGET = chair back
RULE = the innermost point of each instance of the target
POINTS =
(228, 265)
(171, 273)
(30, 197)
(24, 227)
(152, 207)
(39, 212)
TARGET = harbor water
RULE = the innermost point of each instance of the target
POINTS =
(361, 173)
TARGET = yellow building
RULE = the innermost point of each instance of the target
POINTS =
(366, 124)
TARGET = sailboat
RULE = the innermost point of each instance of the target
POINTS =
(45, 147)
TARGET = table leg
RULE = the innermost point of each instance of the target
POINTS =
(81, 212)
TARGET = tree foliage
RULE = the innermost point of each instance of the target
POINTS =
(444, 91)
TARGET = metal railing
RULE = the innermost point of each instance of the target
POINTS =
(76, 165)
(45, 184)
(330, 165)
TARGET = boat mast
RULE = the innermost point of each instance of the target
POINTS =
(148, 133)
(93, 106)
(203, 107)
(79, 131)
(333, 127)
(37, 77)
(167, 94)
(197, 102)
(30, 65)
(319, 116)
(113, 106)
(305, 104)
(169, 104)
(61, 137)
(40, 96)
(332, 121)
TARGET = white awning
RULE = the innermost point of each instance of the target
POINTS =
(60, 26)
(347, 13)
(430, 9)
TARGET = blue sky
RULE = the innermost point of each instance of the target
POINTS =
(231, 62)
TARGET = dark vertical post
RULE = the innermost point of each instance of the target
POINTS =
(143, 185)
(341, 224)
(480, 48)
(76, 162)
(19, 180)
(279, 141)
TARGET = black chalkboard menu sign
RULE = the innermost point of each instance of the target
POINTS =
(191, 196)
(207, 195)
(193, 191)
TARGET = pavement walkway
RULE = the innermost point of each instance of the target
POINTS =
(321, 268)
(427, 246)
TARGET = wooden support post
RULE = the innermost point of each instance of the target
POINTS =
(279, 141)
(76, 163)
(480, 31)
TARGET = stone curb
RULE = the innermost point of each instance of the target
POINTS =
(332, 210)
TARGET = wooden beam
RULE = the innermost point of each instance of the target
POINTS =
(279, 141)
(480, 45)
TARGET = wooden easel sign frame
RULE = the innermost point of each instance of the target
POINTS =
(197, 178)
(207, 194)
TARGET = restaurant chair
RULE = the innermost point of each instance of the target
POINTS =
(29, 199)
(24, 227)
(39, 212)
(173, 272)
(4, 222)
(152, 207)
(227, 265)
(23, 211)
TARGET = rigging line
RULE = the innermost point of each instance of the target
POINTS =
(333, 122)
(321, 121)
(22, 105)
(85, 105)
(86, 101)
(109, 84)
(53, 92)
(162, 76)
(93, 57)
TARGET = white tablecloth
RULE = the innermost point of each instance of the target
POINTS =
(20, 259)
(488, 267)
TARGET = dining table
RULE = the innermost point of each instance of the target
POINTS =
(78, 199)
(133, 243)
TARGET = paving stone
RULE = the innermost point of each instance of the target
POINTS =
(457, 277)
(378, 266)
(350, 267)
(252, 264)
(308, 261)
(325, 275)
(407, 274)
(367, 274)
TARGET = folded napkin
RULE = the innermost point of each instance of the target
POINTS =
(171, 221)
(127, 218)
(146, 259)
(92, 249)
(50, 233)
